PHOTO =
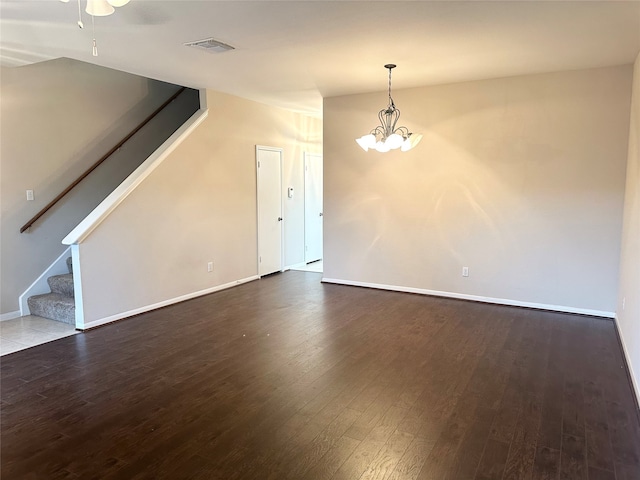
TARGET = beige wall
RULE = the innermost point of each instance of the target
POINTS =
(521, 179)
(629, 315)
(58, 118)
(199, 205)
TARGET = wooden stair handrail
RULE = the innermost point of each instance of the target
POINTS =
(35, 218)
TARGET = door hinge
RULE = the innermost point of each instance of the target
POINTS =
(260, 259)
(258, 164)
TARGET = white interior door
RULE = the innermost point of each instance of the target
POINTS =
(312, 207)
(269, 180)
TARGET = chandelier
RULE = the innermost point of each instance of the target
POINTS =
(387, 136)
(97, 8)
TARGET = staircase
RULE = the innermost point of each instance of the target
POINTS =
(59, 304)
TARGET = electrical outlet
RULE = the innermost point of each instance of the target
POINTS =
(210, 267)
(29, 195)
(465, 271)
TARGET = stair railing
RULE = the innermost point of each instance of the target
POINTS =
(116, 147)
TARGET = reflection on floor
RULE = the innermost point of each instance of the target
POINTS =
(25, 332)
(310, 267)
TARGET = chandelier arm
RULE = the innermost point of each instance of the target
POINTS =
(381, 117)
(396, 117)
(384, 124)
(404, 131)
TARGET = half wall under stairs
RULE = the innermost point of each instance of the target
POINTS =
(60, 303)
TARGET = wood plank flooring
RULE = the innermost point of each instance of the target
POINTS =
(287, 378)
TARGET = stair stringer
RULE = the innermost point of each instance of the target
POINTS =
(40, 286)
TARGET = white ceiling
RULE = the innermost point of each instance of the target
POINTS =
(293, 53)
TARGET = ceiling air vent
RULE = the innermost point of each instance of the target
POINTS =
(210, 45)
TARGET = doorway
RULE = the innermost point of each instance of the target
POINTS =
(313, 214)
(269, 198)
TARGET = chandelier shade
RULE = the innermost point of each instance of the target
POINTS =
(387, 136)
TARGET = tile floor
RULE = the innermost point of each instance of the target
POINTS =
(25, 332)
(311, 267)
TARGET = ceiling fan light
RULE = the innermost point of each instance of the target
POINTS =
(99, 8)
(117, 3)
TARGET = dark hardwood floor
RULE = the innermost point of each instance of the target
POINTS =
(287, 378)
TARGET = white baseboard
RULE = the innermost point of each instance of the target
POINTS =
(625, 352)
(171, 301)
(10, 315)
(475, 298)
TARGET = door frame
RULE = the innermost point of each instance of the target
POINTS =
(306, 162)
(282, 249)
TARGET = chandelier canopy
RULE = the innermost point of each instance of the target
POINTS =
(387, 136)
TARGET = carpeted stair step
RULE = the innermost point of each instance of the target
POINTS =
(59, 304)
(62, 284)
(54, 306)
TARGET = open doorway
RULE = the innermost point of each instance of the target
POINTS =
(313, 215)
